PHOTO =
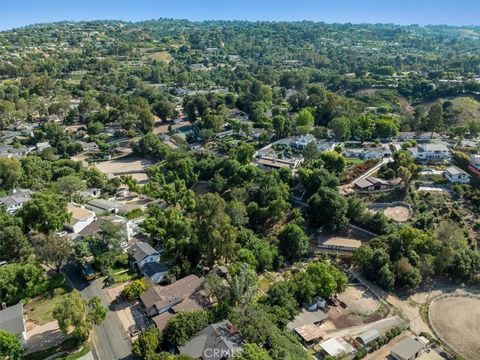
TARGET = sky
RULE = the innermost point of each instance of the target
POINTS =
(17, 13)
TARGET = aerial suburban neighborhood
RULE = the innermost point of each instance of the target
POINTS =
(172, 189)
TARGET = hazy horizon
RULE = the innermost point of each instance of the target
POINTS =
(14, 14)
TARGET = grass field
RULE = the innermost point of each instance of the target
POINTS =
(40, 311)
(354, 161)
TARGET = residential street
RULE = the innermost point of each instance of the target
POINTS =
(110, 341)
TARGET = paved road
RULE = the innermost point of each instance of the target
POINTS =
(110, 341)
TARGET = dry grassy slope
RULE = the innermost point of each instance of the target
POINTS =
(469, 110)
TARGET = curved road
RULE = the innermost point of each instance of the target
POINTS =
(110, 341)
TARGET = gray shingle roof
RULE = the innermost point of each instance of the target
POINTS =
(11, 319)
(220, 336)
(141, 250)
(152, 268)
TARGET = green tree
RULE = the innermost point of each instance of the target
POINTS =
(304, 121)
(216, 235)
(45, 212)
(244, 153)
(328, 208)
(164, 109)
(147, 344)
(133, 290)
(293, 242)
(54, 250)
(407, 276)
(10, 173)
(386, 128)
(435, 118)
(281, 294)
(10, 346)
(69, 185)
(333, 161)
(21, 281)
(14, 246)
(341, 128)
(252, 352)
(75, 312)
(183, 326)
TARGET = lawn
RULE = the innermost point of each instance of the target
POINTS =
(354, 161)
(125, 276)
(40, 310)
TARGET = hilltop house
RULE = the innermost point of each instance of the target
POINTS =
(16, 199)
(11, 320)
(456, 175)
(219, 341)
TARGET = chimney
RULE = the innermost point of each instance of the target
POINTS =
(4, 306)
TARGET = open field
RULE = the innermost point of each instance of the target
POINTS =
(359, 300)
(124, 165)
(456, 320)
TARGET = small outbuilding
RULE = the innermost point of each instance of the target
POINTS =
(336, 347)
(368, 337)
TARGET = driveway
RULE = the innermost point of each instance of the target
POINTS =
(110, 341)
(44, 336)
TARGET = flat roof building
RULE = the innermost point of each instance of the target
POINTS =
(408, 349)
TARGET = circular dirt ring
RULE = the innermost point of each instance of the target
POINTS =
(456, 321)
(395, 212)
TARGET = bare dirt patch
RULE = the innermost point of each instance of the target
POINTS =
(359, 300)
(398, 213)
(124, 165)
(456, 320)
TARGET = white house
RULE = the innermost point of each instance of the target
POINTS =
(11, 320)
(456, 175)
(42, 146)
(430, 152)
(80, 218)
(302, 141)
(15, 201)
(142, 253)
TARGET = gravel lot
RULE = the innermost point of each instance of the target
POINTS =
(457, 322)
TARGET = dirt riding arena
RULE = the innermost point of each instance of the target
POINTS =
(359, 300)
(456, 321)
(395, 211)
(124, 165)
